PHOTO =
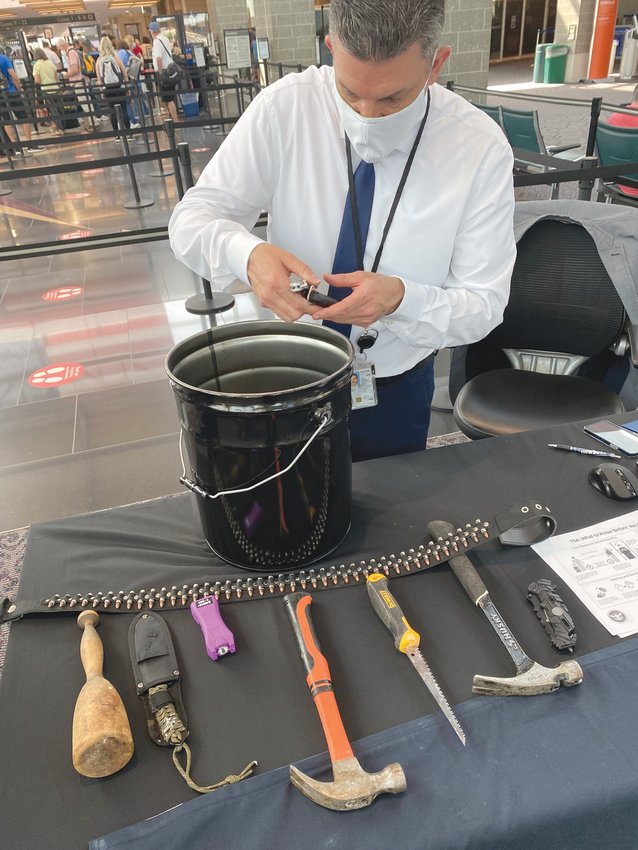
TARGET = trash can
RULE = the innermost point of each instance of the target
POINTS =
(619, 36)
(539, 62)
(555, 63)
(612, 57)
(190, 104)
(629, 58)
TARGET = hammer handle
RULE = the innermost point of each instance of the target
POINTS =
(461, 566)
(318, 675)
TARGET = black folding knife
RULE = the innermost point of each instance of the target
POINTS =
(553, 614)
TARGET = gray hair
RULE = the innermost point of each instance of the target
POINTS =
(382, 29)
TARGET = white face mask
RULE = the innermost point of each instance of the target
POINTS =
(372, 139)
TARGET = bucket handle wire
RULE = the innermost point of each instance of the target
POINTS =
(326, 418)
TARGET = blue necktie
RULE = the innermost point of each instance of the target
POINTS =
(346, 259)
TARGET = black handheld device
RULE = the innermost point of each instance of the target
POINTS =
(614, 435)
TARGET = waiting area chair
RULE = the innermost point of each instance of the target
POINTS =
(523, 132)
(616, 146)
(522, 128)
(493, 111)
(565, 317)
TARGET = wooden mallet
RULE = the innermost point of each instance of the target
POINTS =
(102, 739)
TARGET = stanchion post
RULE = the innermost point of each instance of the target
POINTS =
(10, 104)
(139, 202)
(209, 303)
(586, 184)
(169, 129)
(7, 145)
(162, 171)
(184, 153)
(220, 101)
(89, 103)
(594, 115)
(142, 118)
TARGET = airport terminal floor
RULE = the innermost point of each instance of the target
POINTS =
(109, 437)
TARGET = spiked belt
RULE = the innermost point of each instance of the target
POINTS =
(520, 524)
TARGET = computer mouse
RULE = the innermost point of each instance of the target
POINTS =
(614, 481)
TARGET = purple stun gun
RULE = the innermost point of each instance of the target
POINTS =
(218, 638)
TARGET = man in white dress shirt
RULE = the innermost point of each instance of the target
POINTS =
(439, 278)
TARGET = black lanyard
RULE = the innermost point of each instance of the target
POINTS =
(395, 202)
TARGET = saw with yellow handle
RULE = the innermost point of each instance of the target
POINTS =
(407, 641)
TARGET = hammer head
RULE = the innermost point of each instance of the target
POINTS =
(535, 680)
(352, 787)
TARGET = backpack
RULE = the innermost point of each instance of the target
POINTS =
(170, 75)
(134, 66)
(87, 63)
(111, 73)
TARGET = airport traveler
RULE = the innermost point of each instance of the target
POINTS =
(125, 55)
(162, 59)
(46, 76)
(111, 74)
(147, 49)
(75, 77)
(135, 68)
(620, 119)
(52, 55)
(442, 182)
(15, 102)
(133, 44)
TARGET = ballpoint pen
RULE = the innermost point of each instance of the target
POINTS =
(580, 451)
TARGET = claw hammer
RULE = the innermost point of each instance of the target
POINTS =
(352, 787)
(531, 677)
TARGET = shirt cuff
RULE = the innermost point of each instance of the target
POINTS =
(238, 250)
(412, 304)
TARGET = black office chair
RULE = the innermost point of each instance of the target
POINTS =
(564, 320)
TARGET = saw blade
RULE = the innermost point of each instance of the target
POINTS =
(423, 669)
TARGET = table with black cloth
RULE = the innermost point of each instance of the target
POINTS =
(552, 771)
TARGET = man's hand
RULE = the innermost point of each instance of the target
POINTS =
(373, 296)
(269, 270)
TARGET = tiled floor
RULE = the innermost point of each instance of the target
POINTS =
(108, 435)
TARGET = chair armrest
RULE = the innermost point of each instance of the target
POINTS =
(553, 150)
(632, 333)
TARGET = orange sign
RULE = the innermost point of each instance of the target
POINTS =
(603, 39)
(75, 234)
(56, 375)
(62, 293)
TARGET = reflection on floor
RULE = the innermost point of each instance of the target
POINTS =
(87, 417)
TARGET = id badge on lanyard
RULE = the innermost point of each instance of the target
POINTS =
(364, 383)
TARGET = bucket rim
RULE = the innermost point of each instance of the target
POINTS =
(264, 326)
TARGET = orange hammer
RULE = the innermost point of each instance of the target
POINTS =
(352, 787)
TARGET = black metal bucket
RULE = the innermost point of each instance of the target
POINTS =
(257, 399)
